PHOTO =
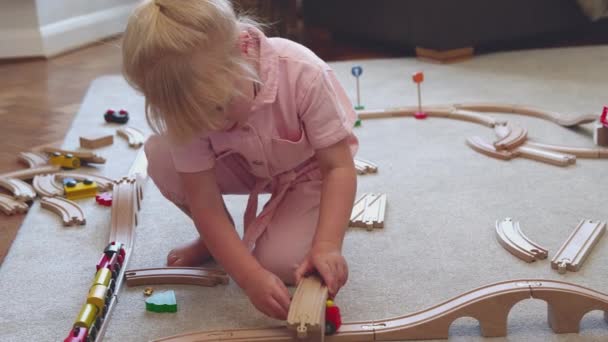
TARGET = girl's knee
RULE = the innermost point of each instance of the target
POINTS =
(283, 265)
(161, 168)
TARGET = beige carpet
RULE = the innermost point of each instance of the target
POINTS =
(443, 201)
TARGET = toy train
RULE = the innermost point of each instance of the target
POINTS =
(333, 318)
(94, 310)
(66, 161)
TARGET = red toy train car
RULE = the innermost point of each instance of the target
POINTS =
(333, 319)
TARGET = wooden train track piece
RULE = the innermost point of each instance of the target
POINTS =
(490, 305)
(140, 165)
(176, 275)
(33, 159)
(364, 167)
(31, 172)
(579, 152)
(478, 118)
(69, 211)
(46, 186)
(134, 136)
(397, 112)
(96, 141)
(576, 248)
(10, 206)
(125, 206)
(21, 190)
(510, 236)
(545, 156)
(88, 157)
(484, 147)
(368, 211)
(510, 136)
(103, 183)
(528, 111)
(306, 314)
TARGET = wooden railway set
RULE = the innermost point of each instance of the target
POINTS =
(490, 305)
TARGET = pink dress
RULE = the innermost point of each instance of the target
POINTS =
(300, 108)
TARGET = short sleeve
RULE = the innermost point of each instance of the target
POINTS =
(326, 112)
(194, 156)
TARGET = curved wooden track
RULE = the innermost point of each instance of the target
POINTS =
(484, 147)
(70, 211)
(490, 305)
(33, 159)
(134, 136)
(528, 111)
(46, 186)
(579, 152)
(510, 236)
(30, 173)
(176, 275)
(10, 206)
(20, 189)
(510, 136)
(103, 183)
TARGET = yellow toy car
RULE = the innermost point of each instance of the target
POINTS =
(66, 161)
(77, 190)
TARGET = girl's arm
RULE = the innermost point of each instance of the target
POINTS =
(337, 197)
(206, 206)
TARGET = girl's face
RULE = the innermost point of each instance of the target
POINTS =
(239, 107)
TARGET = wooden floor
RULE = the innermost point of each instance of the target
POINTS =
(38, 100)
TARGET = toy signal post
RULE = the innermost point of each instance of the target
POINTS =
(418, 77)
(357, 71)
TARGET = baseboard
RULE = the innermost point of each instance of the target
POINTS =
(75, 32)
(20, 43)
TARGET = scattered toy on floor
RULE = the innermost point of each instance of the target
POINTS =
(418, 77)
(77, 190)
(104, 199)
(96, 141)
(333, 318)
(121, 117)
(357, 71)
(64, 160)
(600, 133)
(162, 302)
(148, 291)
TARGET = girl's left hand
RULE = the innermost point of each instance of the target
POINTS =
(327, 260)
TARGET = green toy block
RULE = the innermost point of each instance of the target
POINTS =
(358, 123)
(360, 107)
(162, 302)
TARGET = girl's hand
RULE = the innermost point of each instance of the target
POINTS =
(268, 293)
(326, 258)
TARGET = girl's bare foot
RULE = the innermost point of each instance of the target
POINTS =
(192, 254)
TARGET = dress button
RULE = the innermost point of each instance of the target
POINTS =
(257, 162)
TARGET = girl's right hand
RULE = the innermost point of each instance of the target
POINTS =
(268, 294)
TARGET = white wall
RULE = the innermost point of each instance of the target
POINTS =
(49, 27)
(19, 29)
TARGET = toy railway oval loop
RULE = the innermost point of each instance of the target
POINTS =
(510, 236)
(20, 189)
(70, 212)
(490, 305)
(176, 275)
(11, 206)
(46, 186)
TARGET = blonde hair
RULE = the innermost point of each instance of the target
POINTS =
(183, 56)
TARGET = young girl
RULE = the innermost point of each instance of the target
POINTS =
(236, 112)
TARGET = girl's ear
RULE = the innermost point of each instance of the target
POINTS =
(244, 41)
